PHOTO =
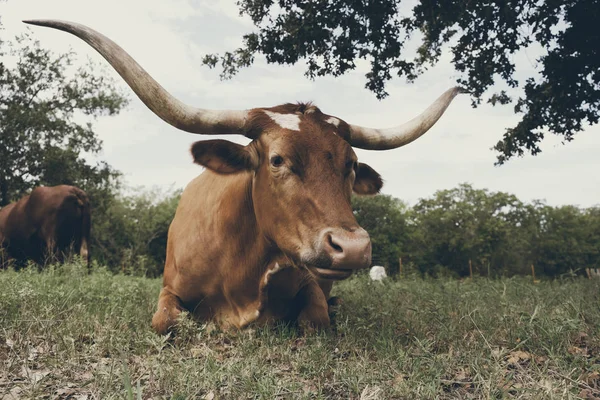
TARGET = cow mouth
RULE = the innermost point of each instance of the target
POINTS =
(332, 274)
(323, 268)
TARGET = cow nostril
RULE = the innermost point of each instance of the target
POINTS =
(334, 245)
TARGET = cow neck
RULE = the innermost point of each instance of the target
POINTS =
(248, 232)
(268, 249)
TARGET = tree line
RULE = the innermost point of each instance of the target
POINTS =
(438, 236)
(494, 231)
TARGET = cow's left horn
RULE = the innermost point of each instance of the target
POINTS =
(391, 138)
(161, 102)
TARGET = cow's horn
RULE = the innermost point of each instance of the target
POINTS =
(167, 107)
(391, 138)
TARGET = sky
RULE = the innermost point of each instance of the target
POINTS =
(170, 38)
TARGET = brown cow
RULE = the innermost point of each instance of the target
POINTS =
(264, 232)
(46, 225)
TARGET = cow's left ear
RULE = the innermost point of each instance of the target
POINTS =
(367, 180)
(223, 156)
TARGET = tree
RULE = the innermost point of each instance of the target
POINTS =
(592, 217)
(483, 36)
(465, 224)
(385, 219)
(46, 107)
(568, 239)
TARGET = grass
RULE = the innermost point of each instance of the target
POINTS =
(65, 333)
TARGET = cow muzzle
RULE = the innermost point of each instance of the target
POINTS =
(347, 250)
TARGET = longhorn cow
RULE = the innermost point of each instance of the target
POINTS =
(46, 225)
(265, 230)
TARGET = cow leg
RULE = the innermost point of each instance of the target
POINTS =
(169, 308)
(315, 313)
(51, 253)
(3, 256)
(332, 302)
(84, 252)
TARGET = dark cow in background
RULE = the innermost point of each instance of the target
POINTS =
(46, 225)
(264, 232)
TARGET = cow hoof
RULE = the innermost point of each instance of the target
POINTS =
(306, 328)
(335, 301)
(312, 320)
(333, 306)
(163, 323)
(161, 326)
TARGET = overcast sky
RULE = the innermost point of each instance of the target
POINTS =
(169, 38)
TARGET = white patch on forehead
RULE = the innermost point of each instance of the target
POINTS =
(333, 121)
(286, 121)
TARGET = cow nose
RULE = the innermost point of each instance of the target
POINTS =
(348, 249)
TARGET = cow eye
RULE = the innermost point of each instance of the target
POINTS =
(276, 161)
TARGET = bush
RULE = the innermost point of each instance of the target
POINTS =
(130, 236)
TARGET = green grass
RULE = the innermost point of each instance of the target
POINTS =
(67, 334)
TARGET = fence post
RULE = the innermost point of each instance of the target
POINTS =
(533, 272)
(470, 269)
(400, 263)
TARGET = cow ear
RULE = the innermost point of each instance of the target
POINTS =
(222, 156)
(367, 180)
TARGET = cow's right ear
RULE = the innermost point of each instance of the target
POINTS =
(223, 156)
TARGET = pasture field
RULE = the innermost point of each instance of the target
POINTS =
(65, 333)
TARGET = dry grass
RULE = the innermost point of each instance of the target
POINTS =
(66, 334)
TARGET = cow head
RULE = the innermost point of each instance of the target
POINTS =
(304, 172)
(303, 166)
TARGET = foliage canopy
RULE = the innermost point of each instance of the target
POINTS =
(482, 36)
(495, 231)
(46, 108)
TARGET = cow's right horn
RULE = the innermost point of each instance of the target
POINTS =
(163, 104)
(398, 136)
